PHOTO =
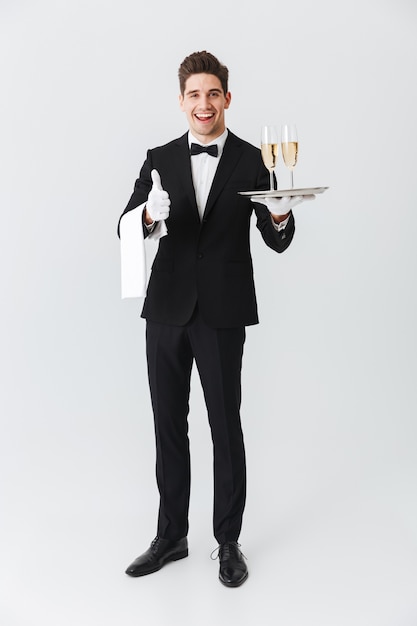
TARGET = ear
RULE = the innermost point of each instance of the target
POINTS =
(228, 98)
(181, 101)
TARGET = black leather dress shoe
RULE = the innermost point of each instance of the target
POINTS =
(233, 571)
(161, 551)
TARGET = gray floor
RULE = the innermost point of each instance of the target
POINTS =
(323, 548)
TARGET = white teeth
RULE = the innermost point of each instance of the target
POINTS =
(204, 114)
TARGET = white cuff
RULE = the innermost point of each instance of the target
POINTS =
(281, 225)
(159, 230)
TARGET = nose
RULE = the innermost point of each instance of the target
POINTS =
(205, 103)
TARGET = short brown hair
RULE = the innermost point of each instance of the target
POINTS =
(202, 63)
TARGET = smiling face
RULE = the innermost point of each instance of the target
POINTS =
(204, 103)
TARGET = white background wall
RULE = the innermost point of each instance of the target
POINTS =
(329, 403)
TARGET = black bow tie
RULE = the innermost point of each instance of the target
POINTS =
(197, 149)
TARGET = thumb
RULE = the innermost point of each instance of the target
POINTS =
(156, 180)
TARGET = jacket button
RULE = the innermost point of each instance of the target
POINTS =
(200, 255)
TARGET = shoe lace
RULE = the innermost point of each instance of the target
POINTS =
(155, 544)
(223, 550)
(213, 558)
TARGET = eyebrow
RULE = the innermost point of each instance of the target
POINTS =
(216, 89)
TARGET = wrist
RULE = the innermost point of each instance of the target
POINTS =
(280, 218)
(147, 218)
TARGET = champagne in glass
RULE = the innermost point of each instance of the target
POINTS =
(269, 151)
(289, 147)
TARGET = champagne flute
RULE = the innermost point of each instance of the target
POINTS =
(289, 147)
(269, 151)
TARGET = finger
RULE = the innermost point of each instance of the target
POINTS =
(156, 179)
(163, 203)
(309, 197)
(264, 200)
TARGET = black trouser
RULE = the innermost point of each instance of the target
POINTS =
(218, 355)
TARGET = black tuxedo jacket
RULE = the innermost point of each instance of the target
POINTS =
(207, 261)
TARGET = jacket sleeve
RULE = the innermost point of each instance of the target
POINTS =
(141, 190)
(278, 240)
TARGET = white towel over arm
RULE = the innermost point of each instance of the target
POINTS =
(133, 253)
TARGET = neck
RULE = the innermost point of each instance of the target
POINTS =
(204, 139)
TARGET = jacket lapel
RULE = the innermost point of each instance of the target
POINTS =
(182, 164)
(228, 161)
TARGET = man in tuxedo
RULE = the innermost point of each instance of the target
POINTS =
(199, 300)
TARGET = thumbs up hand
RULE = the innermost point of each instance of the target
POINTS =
(158, 202)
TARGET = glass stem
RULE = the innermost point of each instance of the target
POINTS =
(292, 179)
(271, 180)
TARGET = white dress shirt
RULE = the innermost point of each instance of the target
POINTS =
(203, 169)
